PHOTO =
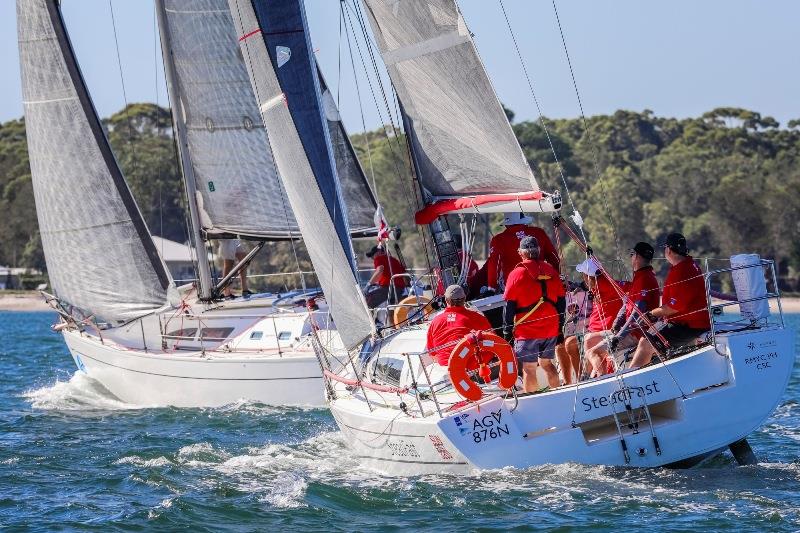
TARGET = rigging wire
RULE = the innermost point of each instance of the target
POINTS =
(131, 145)
(588, 136)
(541, 114)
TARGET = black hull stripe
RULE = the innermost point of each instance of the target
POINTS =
(190, 377)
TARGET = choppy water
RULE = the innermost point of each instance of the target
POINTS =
(73, 457)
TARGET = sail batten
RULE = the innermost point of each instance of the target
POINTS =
(274, 40)
(461, 138)
(99, 252)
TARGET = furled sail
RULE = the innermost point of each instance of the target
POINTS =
(274, 40)
(100, 255)
(228, 145)
(461, 139)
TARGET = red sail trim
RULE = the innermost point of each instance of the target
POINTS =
(485, 203)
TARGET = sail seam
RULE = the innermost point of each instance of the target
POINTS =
(423, 48)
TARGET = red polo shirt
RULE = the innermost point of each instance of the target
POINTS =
(685, 292)
(504, 252)
(524, 288)
(449, 327)
(643, 287)
(607, 303)
(391, 267)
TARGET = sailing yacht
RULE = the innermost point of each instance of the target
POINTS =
(123, 319)
(404, 414)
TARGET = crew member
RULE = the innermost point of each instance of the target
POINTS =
(643, 294)
(684, 308)
(606, 303)
(387, 269)
(452, 324)
(503, 249)
(233, 251)
(534, 311)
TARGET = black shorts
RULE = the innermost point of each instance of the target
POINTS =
(676, 335)
(530, 350)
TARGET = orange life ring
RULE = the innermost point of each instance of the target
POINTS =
(408, 305)
(481, 347)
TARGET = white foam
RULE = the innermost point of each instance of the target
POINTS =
(135, 460)
(79, 393)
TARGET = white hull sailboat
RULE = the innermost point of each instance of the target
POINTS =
(403, 413)
(122, 318)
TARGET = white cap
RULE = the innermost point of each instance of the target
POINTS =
(590, 267)
(516, 218)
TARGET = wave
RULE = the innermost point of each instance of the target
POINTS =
(79, 393)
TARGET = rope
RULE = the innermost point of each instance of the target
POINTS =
(541, 114)
(588, 136)
(130, 143)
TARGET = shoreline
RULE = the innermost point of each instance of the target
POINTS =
(29, 301)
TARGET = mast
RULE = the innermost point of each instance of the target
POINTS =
(205, 283)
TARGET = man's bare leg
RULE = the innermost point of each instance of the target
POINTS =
(529, 381)
(596, 356)
(574, 354)
(643, 354)
(242, 272)
(227, 266)
(550, 371)
(564, 363)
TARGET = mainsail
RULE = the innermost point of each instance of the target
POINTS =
(100, 255)
(228, 146)
(461, 139)
(277, 51)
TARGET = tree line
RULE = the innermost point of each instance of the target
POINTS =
(728, 180)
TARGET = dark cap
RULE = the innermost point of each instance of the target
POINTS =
(644, 249)
(528, 243)
(676, 242)
(455, 292)
(375, 250)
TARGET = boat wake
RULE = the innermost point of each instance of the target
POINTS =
(80, 392)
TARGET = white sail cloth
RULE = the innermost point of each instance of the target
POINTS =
(100, 256)
(461, 138)
(229, 147)
(321, 229)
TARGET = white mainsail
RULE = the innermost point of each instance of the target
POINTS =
(284, 77)
(228, 145)
(461, 139)
(100, 255)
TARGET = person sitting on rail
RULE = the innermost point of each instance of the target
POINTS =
(606, 303)
(452, 324)
(684, 308)
(387, 269)
(503, 249)
(534, 313)
(643, 294)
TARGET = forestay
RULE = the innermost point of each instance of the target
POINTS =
(100, 256)
(229, 147)
(461, 139)
(283, 72)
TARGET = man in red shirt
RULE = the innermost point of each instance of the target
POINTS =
(452, 324)
(643, 294)
(503, 249)
(386, 269)
(534, 311)
(684, 308)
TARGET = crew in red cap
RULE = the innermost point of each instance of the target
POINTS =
(684, 307)
(452, 324)
(503, 249)
(643, 294)
(534, 313)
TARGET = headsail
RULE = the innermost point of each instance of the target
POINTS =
(228, 145)
(100, 256)
(461, 139)
(274, 40)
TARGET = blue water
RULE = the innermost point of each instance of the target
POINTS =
(73, 457)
